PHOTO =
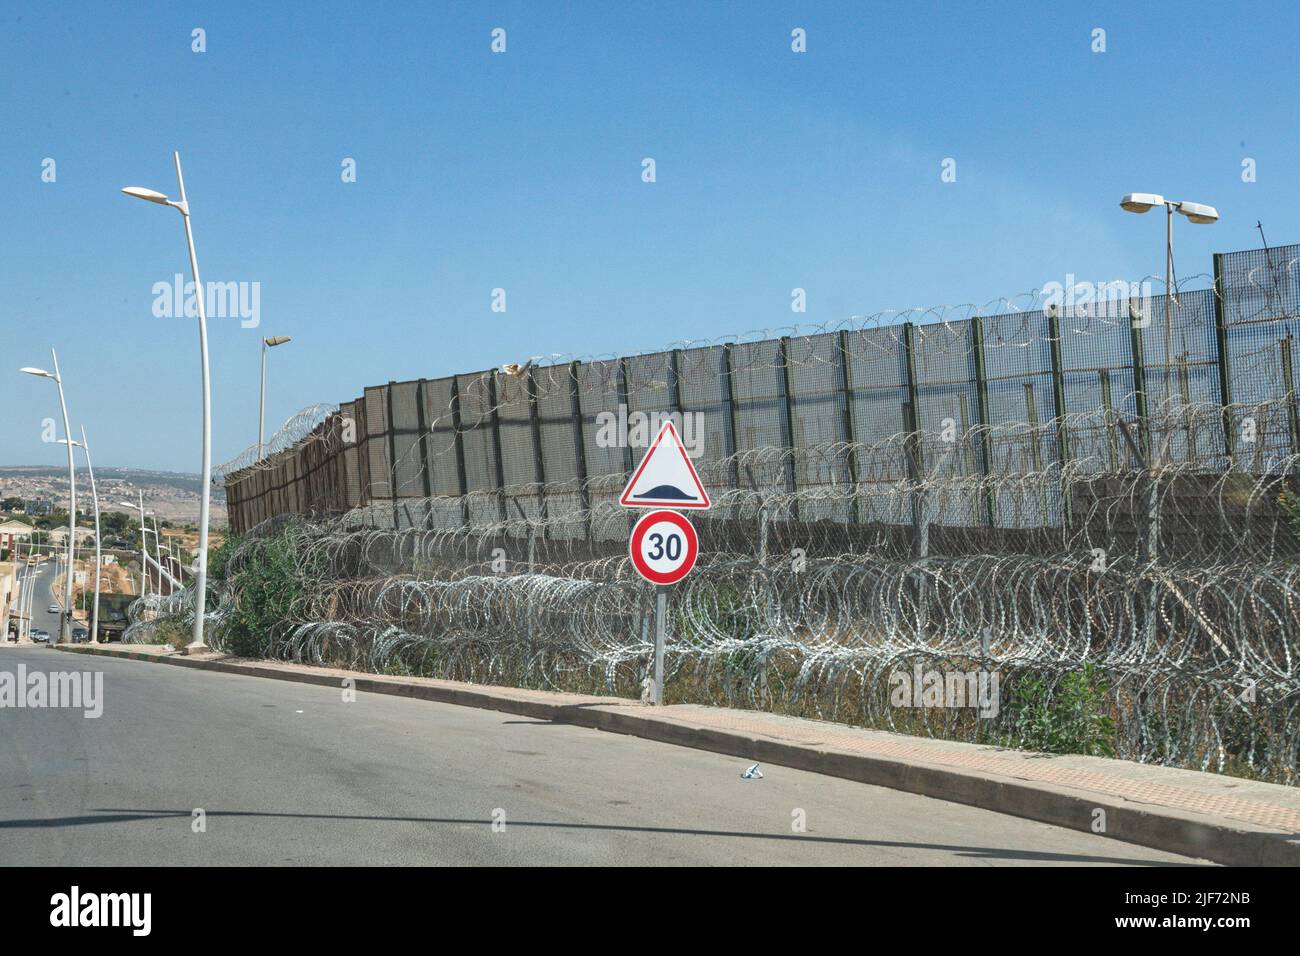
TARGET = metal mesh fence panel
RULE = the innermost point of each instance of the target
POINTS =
(973, 424)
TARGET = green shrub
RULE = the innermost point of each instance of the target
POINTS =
(219, 560)
(171, 630)
(267, 586)
(1071, 716)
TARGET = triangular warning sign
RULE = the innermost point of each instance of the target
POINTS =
(666, 477)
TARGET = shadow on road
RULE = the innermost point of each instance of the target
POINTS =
(120, 815)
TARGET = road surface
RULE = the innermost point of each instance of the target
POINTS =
(42, 599)
(292, 774)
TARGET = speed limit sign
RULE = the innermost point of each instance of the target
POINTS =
(664, 547)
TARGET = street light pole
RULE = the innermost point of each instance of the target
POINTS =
(196, 645)
(157, 553)
(267, 343)
(22, 588)
(31, 597)
(24, 595)
(144, 553)
(1196, 212)
(65, 623)
(94, 494)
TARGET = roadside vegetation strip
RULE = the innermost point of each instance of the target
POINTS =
(1133, 817)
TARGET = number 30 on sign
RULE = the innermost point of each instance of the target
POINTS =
(664, 547)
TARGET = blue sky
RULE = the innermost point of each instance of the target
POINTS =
(522, 171)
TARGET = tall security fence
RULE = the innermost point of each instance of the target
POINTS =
(1093, 505)
(541, 442)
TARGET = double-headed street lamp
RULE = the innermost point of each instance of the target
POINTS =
(1195, 212)
(196, 645)
(65, 623)
(267, 343)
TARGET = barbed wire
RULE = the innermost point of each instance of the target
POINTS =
(296, 428)
(1177, 583)
(1144, 535)
(1009, 323)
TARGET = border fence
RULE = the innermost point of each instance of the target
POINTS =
(1095, 501)
(1015, 392)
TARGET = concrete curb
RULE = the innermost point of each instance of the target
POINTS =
(1145, 824)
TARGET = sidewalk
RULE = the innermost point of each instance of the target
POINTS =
(1225, 819)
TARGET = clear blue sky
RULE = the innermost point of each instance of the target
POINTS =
(523, 171)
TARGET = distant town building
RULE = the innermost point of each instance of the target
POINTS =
(60, 535)
(39, 506)
(11, 532)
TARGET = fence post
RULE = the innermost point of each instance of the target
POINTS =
(462, 476)
(1225, 368)
(500, 475)
(982, 412)
(535, 419)
(850, 425)
(916, 469)
(624, 401)
(913, 450)
(734, 434)
(675, 385)
(392, 451)
(1058, 411)
(1140, 386)
(580, 448)
(791, 477)
(1108, 406)
(621, 392)
(1289, 385)
(426, 466)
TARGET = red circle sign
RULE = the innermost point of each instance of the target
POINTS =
(664, 547)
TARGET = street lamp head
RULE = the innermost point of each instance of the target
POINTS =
(149, 195)
(1141, 202)
(38, 372)
(1198, 212)
(152, 195)
(275, 340)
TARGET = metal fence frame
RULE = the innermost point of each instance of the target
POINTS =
(531, 440)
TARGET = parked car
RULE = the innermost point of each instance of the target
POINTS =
(80, 635)
(54, 609)
(39, 636)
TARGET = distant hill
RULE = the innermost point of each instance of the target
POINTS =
(171, 495)
(179, 481)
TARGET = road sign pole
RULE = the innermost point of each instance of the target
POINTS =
(661, 627)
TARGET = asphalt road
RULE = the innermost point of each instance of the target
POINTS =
(291, 774)
(41, 599)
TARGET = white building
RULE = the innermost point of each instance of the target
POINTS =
(59, 536)
(11, 532)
